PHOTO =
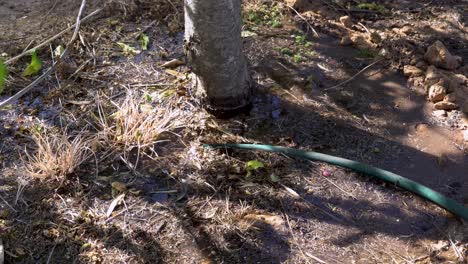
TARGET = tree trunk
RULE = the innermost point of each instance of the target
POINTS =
(213, 45)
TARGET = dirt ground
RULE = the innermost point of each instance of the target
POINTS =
(183, 203)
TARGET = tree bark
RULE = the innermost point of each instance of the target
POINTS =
(213, 45)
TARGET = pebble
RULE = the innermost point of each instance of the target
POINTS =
(443, 105)
(412, 71)
(450, 98)
(437, 93)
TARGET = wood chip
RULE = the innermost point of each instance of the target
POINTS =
(172, 63)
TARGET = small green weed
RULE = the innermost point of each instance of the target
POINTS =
(287, 51)
(3, 75)
(373, 7)
(297, 58)
(34, 66)
(366, 54)
(264, 15)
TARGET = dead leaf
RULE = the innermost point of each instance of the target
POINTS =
(119, 186)
(114, 204)
(20, 251)
(272, 220)
(290, 191)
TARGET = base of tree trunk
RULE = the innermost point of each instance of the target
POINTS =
(227, 104)
(223, 114)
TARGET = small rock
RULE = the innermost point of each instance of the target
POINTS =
(438, 55)
(432, 75)
(443, 105)
(450, 98)
(437, 93)
(448, 83)
(440, 113)
(437, 76)
(346, 21)
(412, 71)
(385, 53)
(346, 41)
(460, 78)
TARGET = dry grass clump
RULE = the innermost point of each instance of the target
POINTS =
(56, 156)
(137, 123)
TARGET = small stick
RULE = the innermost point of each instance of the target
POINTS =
(2, 253)
(305, 20)
(292, 232)
(365, 28)
(338, 187)
(50, 254)
(354, 76)
(315, 258)
(11, 207)
(296, 195)
(173, 6)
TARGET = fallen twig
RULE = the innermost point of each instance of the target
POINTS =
(296, 195)
(11, 207)
(354, 76)
(305, 20)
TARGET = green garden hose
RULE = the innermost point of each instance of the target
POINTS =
(419, 189)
